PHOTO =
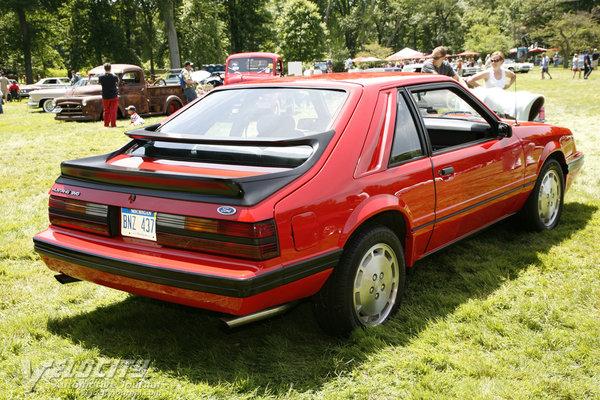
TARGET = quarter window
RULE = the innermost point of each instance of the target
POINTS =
(406, 144)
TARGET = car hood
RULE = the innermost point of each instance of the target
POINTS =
(54, 92)
(89, 90)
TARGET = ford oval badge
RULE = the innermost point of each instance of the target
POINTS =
(226, 210)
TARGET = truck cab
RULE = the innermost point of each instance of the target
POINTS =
(245, 67)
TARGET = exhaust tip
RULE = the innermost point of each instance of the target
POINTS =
(236, 322)
(64, 279)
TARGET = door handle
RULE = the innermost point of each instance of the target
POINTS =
(446, 171)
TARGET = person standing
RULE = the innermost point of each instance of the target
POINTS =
(545, 65)
(75, 77)
(496, 76)
(110, 95)
(190, 86)
(595, 57)
(4, 87)
(439, 65)
(587, 65)
(575, 68)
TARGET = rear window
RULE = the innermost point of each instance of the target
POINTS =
(263, 114)
(259, 113)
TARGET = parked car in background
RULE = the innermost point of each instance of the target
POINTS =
(45, 98)
(517, 66)
(416, 67)
(465, 70)
(45, 83)
(257, 196)
(246, 67)
(172, 78)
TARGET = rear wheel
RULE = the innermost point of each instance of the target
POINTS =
(544, 205)
(172, 107)
(49, 105)
(366, 286)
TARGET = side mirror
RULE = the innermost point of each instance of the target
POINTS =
(504, 130)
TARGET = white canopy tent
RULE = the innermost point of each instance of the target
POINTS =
(404, 54)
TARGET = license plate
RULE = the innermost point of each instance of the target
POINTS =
(138, 223)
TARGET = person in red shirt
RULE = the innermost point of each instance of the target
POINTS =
(13, 90)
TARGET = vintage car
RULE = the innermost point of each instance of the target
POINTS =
(414, 67)
(45, 98)
(246, 67)
(85, 103)
(517, 66)
(262, 194)
(45, 83)
(465, 70)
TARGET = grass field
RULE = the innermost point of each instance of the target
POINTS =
(504, 315)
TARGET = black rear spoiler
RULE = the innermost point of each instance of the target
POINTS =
(94, 172)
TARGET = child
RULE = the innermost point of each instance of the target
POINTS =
(135, 118)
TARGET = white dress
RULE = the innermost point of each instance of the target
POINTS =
(492, 82)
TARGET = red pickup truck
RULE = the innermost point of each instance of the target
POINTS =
(85, 103)
(244, 67)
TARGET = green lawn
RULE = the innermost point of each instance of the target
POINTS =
(504, 315)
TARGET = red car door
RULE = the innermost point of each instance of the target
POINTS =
(478, 173)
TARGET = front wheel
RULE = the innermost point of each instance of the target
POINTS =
(49, 105)
(366, 286)
(544, 205)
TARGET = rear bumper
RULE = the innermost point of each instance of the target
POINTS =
(224, 292)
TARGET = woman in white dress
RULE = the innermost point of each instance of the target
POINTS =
(496, 76)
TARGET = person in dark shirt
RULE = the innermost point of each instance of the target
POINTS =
(439, 65)
(110, 95)
(587, 65)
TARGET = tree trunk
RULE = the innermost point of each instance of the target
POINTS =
(26, 44)
(174, 56)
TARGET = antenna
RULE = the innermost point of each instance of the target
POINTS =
(515, 85)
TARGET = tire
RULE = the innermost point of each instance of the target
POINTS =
(172, 107)
(366, 286)
(49, 105)
(543, 208)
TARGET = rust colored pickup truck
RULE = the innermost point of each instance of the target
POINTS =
(85, 103)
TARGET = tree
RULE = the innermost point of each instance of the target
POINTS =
(301, 33)
(570, 32)
(248, 22)
(168, 17)
(203, 32)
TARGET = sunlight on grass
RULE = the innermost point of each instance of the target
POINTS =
(505, 314)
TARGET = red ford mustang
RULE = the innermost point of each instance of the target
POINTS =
(262, 194)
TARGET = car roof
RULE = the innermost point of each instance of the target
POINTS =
(365, 79)
(115, 68)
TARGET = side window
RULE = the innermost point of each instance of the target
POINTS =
(131, 77)
(449, 119)
(406, 144)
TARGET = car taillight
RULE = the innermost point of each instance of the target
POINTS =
(77, 214)
(255, 241)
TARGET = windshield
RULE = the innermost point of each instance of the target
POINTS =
(81, 82)
(259, 113)
(251, 64)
